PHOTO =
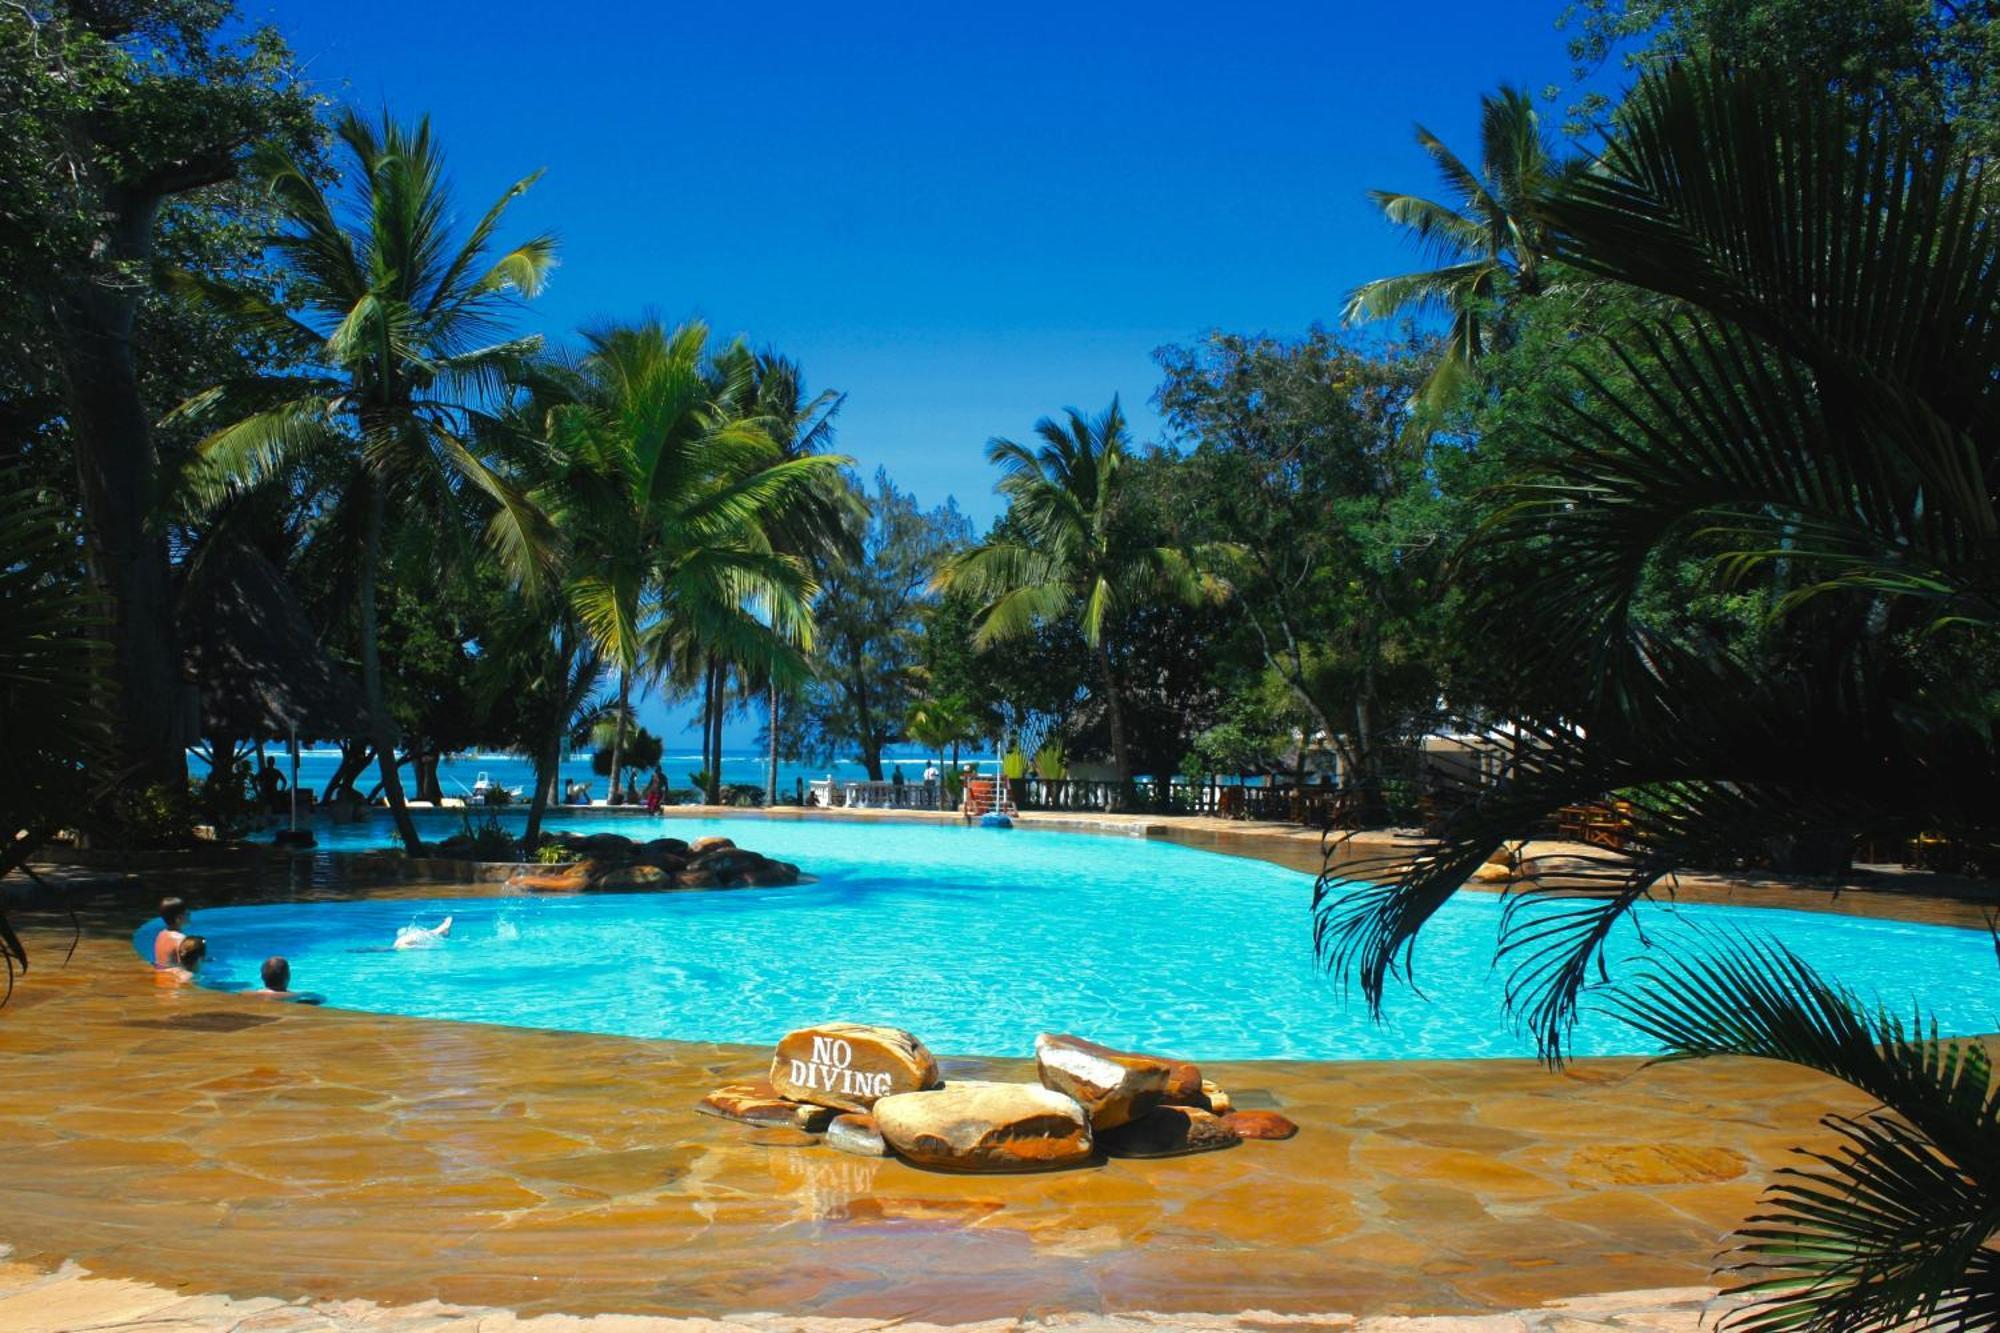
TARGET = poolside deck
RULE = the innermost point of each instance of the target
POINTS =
(199, 1145)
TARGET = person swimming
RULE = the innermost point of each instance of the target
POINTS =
(277, 974)
(174, 913)
(420, 937)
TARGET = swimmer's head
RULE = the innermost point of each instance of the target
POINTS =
(277, 974)
(174, 912)
(191, 951)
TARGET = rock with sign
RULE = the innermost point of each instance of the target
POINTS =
(1113, 1086)
(974, 1126)
(851, 1065)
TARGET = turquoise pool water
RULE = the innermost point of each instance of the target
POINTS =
(977, 939)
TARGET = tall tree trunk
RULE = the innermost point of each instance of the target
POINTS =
(771, 760)
(154, 717)
(713, 737)
(548, 764)
(381, 726)
(618, 732)
(354, 756)
(1115, 715)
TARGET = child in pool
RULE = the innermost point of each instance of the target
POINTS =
(187, 961)
(277, 975)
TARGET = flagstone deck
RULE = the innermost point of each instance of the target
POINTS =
(185, 1143)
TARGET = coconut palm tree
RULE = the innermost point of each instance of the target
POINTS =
(404, 322)
(1075, 555)
(1486, 240)
(820, 530)
(689, 488)
(1818, 388)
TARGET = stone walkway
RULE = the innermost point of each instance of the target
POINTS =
(72, 1301)
(336, 1170)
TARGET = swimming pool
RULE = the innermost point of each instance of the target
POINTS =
(977, 939)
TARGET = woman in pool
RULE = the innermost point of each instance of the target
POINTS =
(174, 913)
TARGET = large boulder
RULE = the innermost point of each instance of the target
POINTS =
(761, 1104)
(638, 877)
(608, 846)
(972, 1126)
(1169, 1131)
(1115, 1087)
(851, 1065)
(700, 845)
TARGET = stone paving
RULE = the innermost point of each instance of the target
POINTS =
(212, 1162)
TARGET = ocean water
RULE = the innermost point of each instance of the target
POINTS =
(977, 939)
(457, 774)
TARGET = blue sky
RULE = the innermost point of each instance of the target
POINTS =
(965, 217)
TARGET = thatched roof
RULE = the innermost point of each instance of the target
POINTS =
(254, 657)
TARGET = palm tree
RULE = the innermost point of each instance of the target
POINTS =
(1487, 242)
(404, 322)
(1075, 554)
(819, 531)
(1818, 389)
(688, 488)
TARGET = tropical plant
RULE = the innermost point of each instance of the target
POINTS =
(1818, 409)
(674, 548)
(1074, 555)
(820, 530)
(1488, 242)
(937, 723)
(401, 319)
(1897, 1229)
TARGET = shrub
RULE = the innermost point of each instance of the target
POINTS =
(490, 840)
(554, 854)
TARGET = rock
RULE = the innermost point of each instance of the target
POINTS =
(1214, 1099)
(637, 877)
(608, 846)
(973, 1126)
(663, 847)
(857, 1133)
(1169, 1131)
(1259, 1125)
(760, 1104)
(1184, 1085)
(698, 879)
(700, 845)
(573, 878)
(766, 874)
(1113, 1086)
(1490, 873)
(850, 1065)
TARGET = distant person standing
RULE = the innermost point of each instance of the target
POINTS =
(271, 786)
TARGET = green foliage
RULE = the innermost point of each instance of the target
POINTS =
(871, 616)
(53, 727)
(555, 854)
(1933, 67)
(1798, 412)
(1050, 765)
(1487, 239)
(1014, 764)
(487, 839)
